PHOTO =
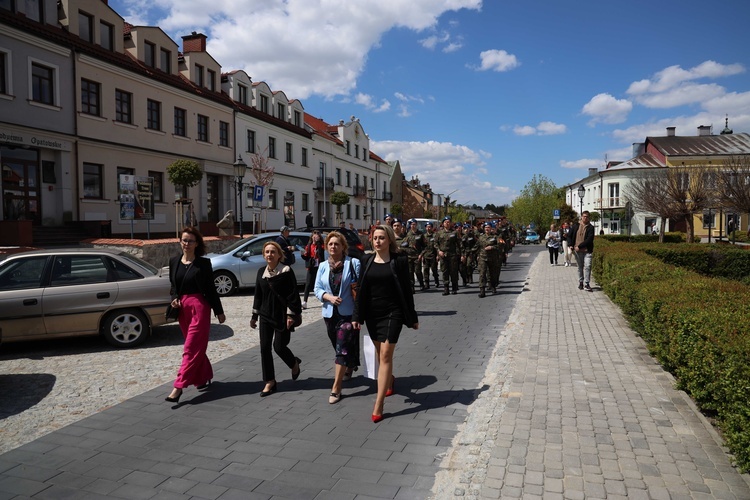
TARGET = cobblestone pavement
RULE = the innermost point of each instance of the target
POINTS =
(69, 379)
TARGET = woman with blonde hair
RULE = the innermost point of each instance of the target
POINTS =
(385, 304)
(333, 287)
(277, 305)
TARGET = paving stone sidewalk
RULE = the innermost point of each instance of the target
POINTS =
(583, 411)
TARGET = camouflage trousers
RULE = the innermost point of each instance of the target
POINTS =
(415, 268)
(430, 264)
(450, 271)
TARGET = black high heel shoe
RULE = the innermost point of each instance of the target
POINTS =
(270, 391)
(205, 386)
(295, 376)
(175, 399)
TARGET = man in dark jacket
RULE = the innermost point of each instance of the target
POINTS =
(581, 240)
(286, 245)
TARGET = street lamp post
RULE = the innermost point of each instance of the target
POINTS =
(240, 167)
(581, 194)
(371, 197)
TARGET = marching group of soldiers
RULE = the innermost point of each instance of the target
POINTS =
(458, 249)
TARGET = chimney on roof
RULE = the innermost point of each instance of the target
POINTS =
(638, 149)
(704, 130)
(670, 131)
(593, 171)
(194, 42)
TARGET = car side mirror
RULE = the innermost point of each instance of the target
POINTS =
(246, 254)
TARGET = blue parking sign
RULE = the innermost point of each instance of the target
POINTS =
(556, 213)
(258, 193)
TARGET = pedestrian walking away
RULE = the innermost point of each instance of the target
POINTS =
(276, 304)
(313, 255)
(385, 304)
(582, 241)
(333, 287)
(194, 294)
(564, 235)
(553, 244)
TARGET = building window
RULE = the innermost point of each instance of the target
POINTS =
(272, 147)
(348, 147)
(165, 60)
(272, 199)
(89, 97)
(179, 122)
(149, 55)
(242, 91)
(34, 8)
(304, 157)
(281, 111)
(614, 194)
(251, 141)
(305, 202)
(42, 84)
(153, 114)
(202, 128)
(338, 176)
(264, 104)
(199, 75)
(364, 154)
(297, 119)
(349, 211)
(92, 181)
(348, 179)
(106, 35)
(158, 178)
(356, 212)
(289, 152)
(85, 27)
(211, 83)
(223, 134)
(356, 181)
(4, 88)
(356, 150)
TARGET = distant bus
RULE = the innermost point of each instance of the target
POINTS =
(421, 223)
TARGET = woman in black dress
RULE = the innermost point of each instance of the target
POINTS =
(385, 304)
(276, 303)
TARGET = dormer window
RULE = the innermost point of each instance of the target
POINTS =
(211, 83)
(85, 27)
(356, 150)
(281, 111)
(106, 35)
(264, 104)
(242, 91)
(149, 55)
(165, 60)
(297, 119)
(199, 75)
(348, 147)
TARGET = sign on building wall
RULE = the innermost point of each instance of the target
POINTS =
(136, 197)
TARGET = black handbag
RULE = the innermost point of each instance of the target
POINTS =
(172, 314)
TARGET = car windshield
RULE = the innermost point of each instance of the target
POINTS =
(231, 248)
(139, 262)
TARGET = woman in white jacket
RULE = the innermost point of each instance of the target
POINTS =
(333, 287)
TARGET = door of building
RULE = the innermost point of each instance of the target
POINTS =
(20, 184)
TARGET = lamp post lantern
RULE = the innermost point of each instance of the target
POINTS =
(581, 194)
(240, 167)
(371, 197)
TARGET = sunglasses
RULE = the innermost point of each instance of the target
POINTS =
(188, 242)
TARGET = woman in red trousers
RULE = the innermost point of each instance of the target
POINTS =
(194, 294)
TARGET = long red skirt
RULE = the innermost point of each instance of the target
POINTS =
(195, 323)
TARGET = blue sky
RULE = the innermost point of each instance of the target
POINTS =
(478, 96)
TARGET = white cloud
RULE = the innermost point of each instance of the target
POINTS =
(446, 166)
(497, 60)
(684, 94)
(674, 76)
(324, 42)
(453, 47)
(603, 108)
(544, 128)
(369, 103)
(582, 164)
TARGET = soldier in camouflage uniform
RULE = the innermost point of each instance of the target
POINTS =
(449, 252)
(506, 236)
(429, 257)
(470, 248)
(487, 246)
(495, 258)
(417, 242)
(402, 243)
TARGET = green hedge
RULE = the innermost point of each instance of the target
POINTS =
(698, 327)
(718, 260)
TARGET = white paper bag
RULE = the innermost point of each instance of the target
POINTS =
(371, 358)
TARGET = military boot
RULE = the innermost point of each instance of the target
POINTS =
(446, 291)
(481, 293)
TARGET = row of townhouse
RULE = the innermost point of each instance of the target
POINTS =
(86, 98)
(605, 191)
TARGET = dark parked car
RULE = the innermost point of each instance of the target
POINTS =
(70, 292)
(356, 247)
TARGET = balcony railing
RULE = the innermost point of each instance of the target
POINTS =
(614, 202)
(386, 196)
(328, 183)
(359, 191)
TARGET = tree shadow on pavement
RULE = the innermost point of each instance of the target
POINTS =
(19, 392)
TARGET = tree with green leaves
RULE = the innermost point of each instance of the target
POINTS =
(536, 203)
(184, 173)
(339, 198)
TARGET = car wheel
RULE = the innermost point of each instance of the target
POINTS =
(225, 283)
(126, 328)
